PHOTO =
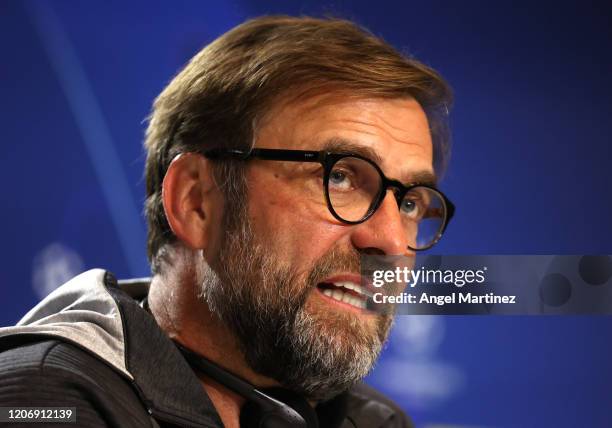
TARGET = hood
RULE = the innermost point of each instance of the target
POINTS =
(83, 312)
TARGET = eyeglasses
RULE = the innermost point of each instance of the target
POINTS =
(355, 187)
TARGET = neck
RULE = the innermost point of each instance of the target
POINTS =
(188, 320)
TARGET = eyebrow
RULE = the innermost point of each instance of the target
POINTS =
(423, 177)
(342, 145)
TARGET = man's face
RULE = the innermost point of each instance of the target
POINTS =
(285, 247)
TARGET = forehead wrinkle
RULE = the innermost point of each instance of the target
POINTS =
(357, 121)
(383, 130)
(322, 101)
(376, 154)
(390, 125)
(406, 175)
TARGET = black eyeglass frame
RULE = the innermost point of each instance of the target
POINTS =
(328, 160)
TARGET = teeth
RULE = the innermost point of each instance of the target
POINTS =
(350, 286)
(345, 297)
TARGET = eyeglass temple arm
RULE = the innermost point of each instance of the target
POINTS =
(267, 154)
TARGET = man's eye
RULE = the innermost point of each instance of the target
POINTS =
(411, 208)
(340, 180)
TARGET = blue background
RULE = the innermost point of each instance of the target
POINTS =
(529, 174)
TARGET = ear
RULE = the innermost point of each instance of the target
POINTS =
(185, 190)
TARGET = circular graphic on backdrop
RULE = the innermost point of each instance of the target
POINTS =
(595, 270)
(555, 289)
(54, 265)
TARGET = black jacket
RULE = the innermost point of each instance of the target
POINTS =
(90, 345)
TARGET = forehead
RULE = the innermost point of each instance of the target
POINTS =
(395, 130)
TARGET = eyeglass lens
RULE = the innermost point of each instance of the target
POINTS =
(354, 187)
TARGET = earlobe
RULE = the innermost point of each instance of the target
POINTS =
(184, 189)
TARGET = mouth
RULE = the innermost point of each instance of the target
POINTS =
(348, 292)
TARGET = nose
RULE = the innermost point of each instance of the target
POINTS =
(383, 233)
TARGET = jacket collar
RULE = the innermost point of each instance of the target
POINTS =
(165, 381)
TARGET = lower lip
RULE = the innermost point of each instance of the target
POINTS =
(342, 304)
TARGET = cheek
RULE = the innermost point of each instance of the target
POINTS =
(297, 231)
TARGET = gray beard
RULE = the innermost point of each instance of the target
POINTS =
(265, 305)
